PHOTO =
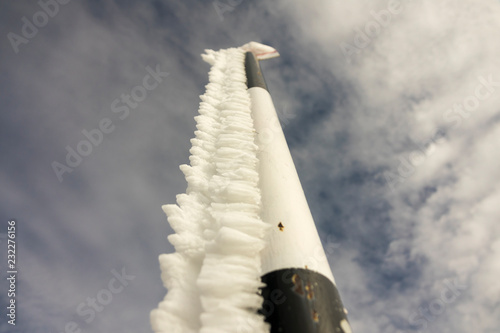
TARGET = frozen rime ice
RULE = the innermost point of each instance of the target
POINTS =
(213, 278)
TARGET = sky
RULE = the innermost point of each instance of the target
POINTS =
(390, 108)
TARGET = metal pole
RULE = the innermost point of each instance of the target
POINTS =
(300, 295)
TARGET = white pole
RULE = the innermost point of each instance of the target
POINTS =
(301, 295)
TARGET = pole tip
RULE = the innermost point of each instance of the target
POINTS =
(261, 51)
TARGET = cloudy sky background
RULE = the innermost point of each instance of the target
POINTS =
(396, 141)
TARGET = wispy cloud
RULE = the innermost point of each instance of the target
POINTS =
(409, 83)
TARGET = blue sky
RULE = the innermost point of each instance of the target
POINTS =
(392, 116)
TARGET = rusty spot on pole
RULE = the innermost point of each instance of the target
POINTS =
(310, 292)
(281, 226)
(297, 284)
(315, 316)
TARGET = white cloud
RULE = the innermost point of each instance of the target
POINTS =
(429, 57)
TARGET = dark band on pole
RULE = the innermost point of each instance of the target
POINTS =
(302, 301)
(254, 74)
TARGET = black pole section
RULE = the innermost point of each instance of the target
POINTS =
(254, 74)
(299, 300)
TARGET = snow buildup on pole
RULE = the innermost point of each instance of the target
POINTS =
(213, 278)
